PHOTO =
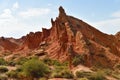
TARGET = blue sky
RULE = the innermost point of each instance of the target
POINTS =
(19, 17)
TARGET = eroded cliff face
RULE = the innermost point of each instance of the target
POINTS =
(7, 45)
(68, 37)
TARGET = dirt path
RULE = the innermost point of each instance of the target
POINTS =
(81, 68)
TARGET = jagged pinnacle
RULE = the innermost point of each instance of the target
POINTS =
(61, 11)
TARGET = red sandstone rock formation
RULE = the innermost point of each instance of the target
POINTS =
(7, 45)
(68, 37)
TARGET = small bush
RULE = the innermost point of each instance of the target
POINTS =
(56, 63)
(82, 74)
(99, 75)
(52, 62)
(56, 75)
(2, 61)
(11, 63)
(78, 59)
(35, 68)
(67, 74)
(63, 74)
(21, 61)
(47, 61)
(12, 74)
(3, 69)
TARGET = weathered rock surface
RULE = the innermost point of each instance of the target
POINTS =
(68, 37)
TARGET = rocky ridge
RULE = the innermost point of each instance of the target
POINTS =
(67, 38)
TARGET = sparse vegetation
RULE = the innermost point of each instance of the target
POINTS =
(50, 62)
(11, 63)
(21, 61)
(99, 75)
(33, 68)
(79, 59)
(2, 61)
(12, 74)
(3, 69)
(63, 74)
(82, 74)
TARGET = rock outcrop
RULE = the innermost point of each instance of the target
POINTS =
(68, 37)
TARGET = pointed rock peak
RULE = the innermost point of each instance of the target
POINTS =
(61, 11)
(52, 21)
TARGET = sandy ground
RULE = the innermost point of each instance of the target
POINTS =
(81, 68)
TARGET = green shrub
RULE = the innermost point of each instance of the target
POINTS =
(21, 61)
(78, 59)
(82, 74)
(2, 61)
(67, 74)
(52, 62)
(12, 74)
(60, 68)
(11, 63)
(16, 74)
(3, 69)
(99, 75)
(35, 68)
(56, 75)
(47, 61)
(56, 63)
(63, 74)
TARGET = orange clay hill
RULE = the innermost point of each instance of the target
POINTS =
(67, 38)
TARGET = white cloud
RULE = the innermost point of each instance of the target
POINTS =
(12, 24)
(15, 5)
(6, 14)
(110, 26)
(33, 12)
(13, 27)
